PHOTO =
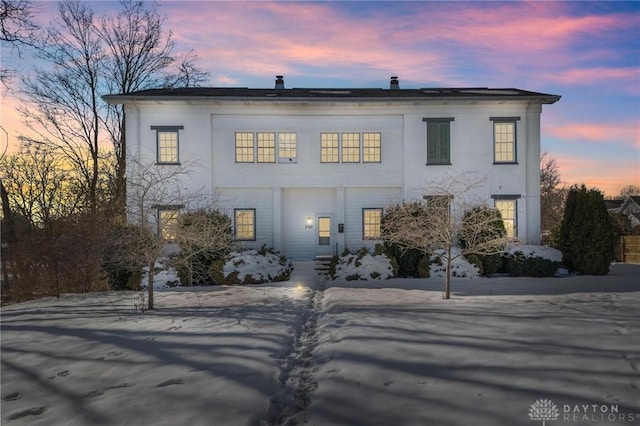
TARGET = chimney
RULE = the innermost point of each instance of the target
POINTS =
(394, 84)
(279, 82)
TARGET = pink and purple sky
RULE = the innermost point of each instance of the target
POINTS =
(587, 52)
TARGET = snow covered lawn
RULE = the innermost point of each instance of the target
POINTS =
(388, 352)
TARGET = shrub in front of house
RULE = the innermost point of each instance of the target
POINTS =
(517, 264)
(587, 235)
(491, 229)
(361, 265)
(250, 267)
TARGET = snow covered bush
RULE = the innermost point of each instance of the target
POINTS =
(531, 261)
(362, 265)
(460, 266)
(165, 276)
(250, 267)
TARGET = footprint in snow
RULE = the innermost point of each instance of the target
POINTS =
(62, 373)
(170, 383)
(35, 411)
(93, 394)
(13, 396)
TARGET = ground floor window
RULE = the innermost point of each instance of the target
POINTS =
(371, 221)
(508, 208)
(168, 222)
(245, 224)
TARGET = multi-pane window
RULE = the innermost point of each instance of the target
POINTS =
(266, 147)
(504, 139)
(371, 221)
(287, 147)
(508, 208)
(244, 147)
(168, 222)
(329, 147)
(351, 147)
(167, 144)
(371, 148)
(245, 224)
(438, 140)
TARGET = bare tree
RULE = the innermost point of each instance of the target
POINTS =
(445, 215)
(629, 191)
(87, 56)
(39, 186)
(552, 193)
(17, 28)
(65, 103)
(140, 55)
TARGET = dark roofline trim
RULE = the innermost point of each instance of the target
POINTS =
(327, 94)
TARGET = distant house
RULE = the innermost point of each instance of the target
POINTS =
(630, 207)
(309, 171)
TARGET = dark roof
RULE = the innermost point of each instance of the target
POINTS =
(613, 203)
(191, 93)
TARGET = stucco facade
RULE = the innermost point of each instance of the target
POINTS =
(308, 168)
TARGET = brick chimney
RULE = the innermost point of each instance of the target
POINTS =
(394, 84)
(279, 82)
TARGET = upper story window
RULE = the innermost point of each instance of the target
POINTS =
(504, 139)
(351, 147)
(371, 223)
(287, 147)
(507, 205)
(371, 148)
(244, 147)
(347, 147)
(261, 147)
(266, 147)
(329, 147)
(438, 140)
(167, 144)
(245, 224)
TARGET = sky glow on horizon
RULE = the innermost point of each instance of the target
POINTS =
(587, 52)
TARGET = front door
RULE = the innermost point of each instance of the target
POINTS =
(324, 246)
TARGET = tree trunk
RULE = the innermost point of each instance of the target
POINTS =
(447, 280)
(152, 264)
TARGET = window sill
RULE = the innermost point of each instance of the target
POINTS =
(496, 163)
(167, 164)
(438, 164)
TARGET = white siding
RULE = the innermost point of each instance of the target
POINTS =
(285, 194)
(357, 199)
(298, 205)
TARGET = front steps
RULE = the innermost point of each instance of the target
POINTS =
(322, 264)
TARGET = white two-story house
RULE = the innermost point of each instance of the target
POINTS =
(309, 171)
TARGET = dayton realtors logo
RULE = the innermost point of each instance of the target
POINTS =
(545, 410)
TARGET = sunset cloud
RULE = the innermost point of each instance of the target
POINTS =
(622, 133)
(609, 176)
(587, 52)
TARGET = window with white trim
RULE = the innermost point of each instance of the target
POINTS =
(371, 223)
(245, 224)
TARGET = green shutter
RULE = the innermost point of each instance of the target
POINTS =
(438, 142)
